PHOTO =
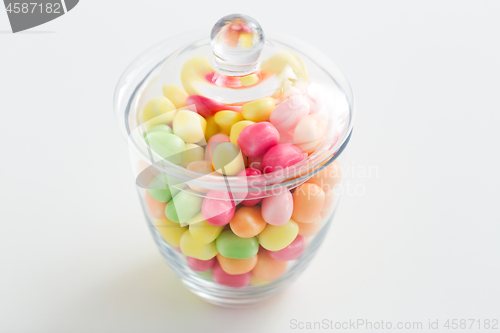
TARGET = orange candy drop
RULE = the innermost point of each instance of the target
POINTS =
(247, 222)
(203, 167)
(308, 200)
(237, 266)
(268, 268)
(155, 208)
(310, 229)
(327, 178)
(328, 204)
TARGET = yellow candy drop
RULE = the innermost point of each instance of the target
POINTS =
(193, 72)
(170, 231)
(258, 110)
(226, 119)
(192, 248)
(287, 59)
(249, 80)
(277, 237)
(189, 126)
(157, 111)
(212, 128)
(237, 128)
(227, 159)
(192, 153)
(175, 94)
(254, 281)
(202, 231)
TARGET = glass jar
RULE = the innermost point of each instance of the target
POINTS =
(236, 143)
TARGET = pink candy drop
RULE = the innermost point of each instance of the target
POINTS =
(217, 208)
(292, 251)
(255, 140)
(235, 281)
(277, 209)
(288, 113)
(255, 162)
(280, 157)
(205, 106)
(249, 172)
(198, 265)
(286, 137)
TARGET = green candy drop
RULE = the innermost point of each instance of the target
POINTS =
(164, 190)
(183, 206)
(166, 145)
(158, 128)
(231, 246)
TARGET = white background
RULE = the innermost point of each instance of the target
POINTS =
(419, 242)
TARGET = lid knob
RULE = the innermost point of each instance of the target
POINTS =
(237, 41)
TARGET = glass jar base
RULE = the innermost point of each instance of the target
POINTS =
(201, 284)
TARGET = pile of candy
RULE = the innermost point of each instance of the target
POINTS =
(251, 240)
